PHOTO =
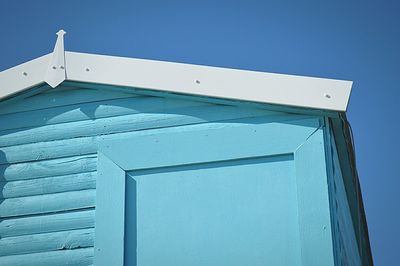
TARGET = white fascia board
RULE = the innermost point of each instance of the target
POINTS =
(24, 76)
(217, 82)
(297, 91)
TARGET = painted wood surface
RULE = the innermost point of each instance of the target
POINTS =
(48, 160)
(242, 221)
(126, 123)
(345, 242)
(113, 199)
(17, 226)
(76, 257)
(47, 203)
(313, 202)
(58, 97)
(47, 242)
(190, 173)
(48, 164)
(92, 110)
(46, 168)
(48, 185)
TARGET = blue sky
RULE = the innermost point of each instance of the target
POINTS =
(353, 40)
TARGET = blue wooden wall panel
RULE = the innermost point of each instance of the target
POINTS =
(48, 161)
(171, 155)
(344, 237)
(242, 213)
(48, 165)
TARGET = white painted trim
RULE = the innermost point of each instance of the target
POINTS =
(24, 76)
(298, 91)
(56, 73)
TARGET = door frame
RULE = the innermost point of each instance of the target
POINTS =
(304, 139)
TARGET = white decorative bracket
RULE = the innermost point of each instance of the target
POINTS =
(56, 73)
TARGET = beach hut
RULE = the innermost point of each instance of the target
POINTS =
(117, 161)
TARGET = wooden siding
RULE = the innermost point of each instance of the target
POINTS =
(344, 237)
(48, 157)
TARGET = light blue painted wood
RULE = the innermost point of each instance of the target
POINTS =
(18, 226)
(163, 151)
(88, 145)
(61, 139)
(72, 200)
(193, 147)
(134, 122)
(19, 97)
(91, 111)
(242, 213)
(48, 185)
(60, 96)
(243, 104)
(77, 257)
(110, 213)
(313, 202)
(43, 151)
(46, 242)
(346, 246)
(47, 168)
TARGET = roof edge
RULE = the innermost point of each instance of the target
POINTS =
(197, 80)
(24, 76)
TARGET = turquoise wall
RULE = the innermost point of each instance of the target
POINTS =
(48, 163)
(345, 242)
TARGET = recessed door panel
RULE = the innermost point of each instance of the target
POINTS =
(236, 212)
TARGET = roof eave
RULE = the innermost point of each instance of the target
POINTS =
(261, 87)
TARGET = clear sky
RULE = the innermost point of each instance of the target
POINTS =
(352, 40)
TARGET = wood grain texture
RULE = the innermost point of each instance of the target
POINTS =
(47, 168)
(165, 152)
(48, 161)
(76, 257)
(48, 185)
(47, 242)
(72, 200)
(110, 195)
(60, 96)
(169, 155)
(91, 111)
(17, 226)
(88, 145)
(125, 123)
(42, 151)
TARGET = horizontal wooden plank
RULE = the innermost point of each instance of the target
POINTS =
(47, 242)
(61, 96)
(47, 203)
(189, 115)
(45, 151)
(90, 111)
(47, 223)
(76, 257)
(171, 149)
(45, 168)
(88, 145)
(48, 185)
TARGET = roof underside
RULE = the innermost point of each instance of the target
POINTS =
(260, 87)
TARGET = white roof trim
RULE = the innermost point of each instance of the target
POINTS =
(298, 91)
(56, 73)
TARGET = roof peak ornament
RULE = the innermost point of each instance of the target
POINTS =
(56, 73)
